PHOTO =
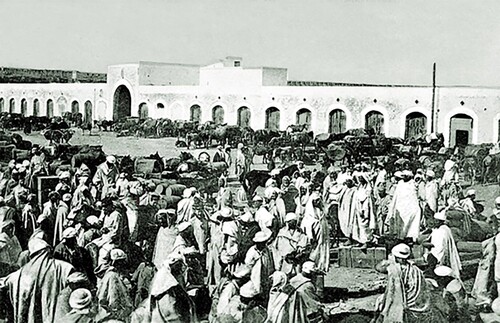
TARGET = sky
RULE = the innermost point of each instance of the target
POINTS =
(359, 41)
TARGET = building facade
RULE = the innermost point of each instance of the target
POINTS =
(262, 97)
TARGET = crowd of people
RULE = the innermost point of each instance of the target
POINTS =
(90, 254)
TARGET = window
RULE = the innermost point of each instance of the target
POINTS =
(160, 106)
(237, 63)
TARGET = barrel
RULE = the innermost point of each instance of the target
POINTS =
(175, 190)
(219, 166)
(167, 202)
(162, 186)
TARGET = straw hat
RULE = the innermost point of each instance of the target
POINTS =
(443, 271)
(401, 251)
(69, 233)
(308, 267)
(117, 254)
(262, 236)
(80, 298)
(111, 159)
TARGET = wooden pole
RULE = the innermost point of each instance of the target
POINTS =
(433, 97)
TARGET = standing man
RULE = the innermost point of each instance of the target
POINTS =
(240, 165)
(105, 177)
(431, 194)
(444, 251)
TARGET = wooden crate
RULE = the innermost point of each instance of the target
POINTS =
(345, 257)
(355, 257)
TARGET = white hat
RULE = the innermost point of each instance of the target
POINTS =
(443, 271)
(36, 244)
(248, 290)
(69, 233)
(92, 219)
(275, 171)
(308, 267)
(290, 217)
(398, 174)
(183, 226)
(401, 251)
(117, 254)
(497, 200)
(268, 193)
(64, 175)
(257, 198)
(454, 286)
(66, 197)
(187, 193)
(470, 192)
(262, 236)
(240, 145)
(111, 159)
(440, 215)
(80, 298)
(430, 173)
(407, 173)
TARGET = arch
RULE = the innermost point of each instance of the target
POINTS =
(375, 120)
(337, 121)
(75, 107)
(62, 104)
(473, 128)
(24, 107)
(461, 126)
(423, 113)
(382, 116)
(36, 107)
(416, 125)
(218, 114)
(303, 117)
(12, 105)
(244, 116)
(50, 108)
(122, 103)
(195, 113)
(273, 118)
(87, 115)
(2, 104)
(143, 110)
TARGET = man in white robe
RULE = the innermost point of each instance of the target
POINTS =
(404, 212)
(443, 251)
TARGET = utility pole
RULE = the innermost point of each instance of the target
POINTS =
(433, 97)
